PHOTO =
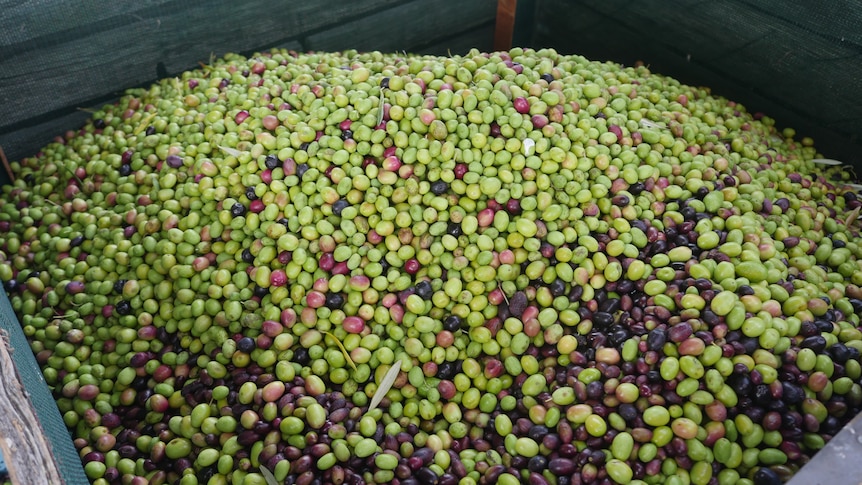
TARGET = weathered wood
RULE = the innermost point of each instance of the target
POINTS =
(50, 423)
(419, 22)
(505, 24)
(26, 452)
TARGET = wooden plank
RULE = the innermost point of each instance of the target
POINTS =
(404, 27)
(160, 41)
(505, 24)
(50, 424)
(26, 452)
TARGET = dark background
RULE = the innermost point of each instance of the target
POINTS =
(798, 61)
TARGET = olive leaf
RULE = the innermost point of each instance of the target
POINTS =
(343, 350)
(268, 476)
(380, 111)
(230, 151)
(385, 385)
(827, 161)
(144, 123)
(650, 124)
(852, 217)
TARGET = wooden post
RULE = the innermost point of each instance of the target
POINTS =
(6, 166)
(505, 26)
(26, 453)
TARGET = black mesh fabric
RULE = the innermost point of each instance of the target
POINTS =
(798, 61)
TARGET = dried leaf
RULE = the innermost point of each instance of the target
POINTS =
(230, 151)
(852, 217)
(144, 123)
(650, 124)
(380, 111)
(268, 476)
(827, 161)
(527, 146)
(385, 385)
(343, 350)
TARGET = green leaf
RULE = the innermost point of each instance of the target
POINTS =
(343, 350)
(268, 476)
(385, 385)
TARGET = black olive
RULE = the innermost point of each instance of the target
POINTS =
(453, 229)
(271, 161)
(301, 169)
(237, 209)
(123, 307)
(246, 345)
(765, 476)
(448, 370)
(424, 290)
(602, 319)
(338, 206)
(439, 187)
(118, 285)
(334, 301)
(452, 323)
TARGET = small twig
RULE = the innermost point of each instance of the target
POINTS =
(344, 351)
(144, 123)
(500, 287)
(230, 151)
(72, 172)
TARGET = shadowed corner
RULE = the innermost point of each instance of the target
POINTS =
(6, 176)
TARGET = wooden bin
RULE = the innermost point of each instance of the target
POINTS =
(61, 60)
